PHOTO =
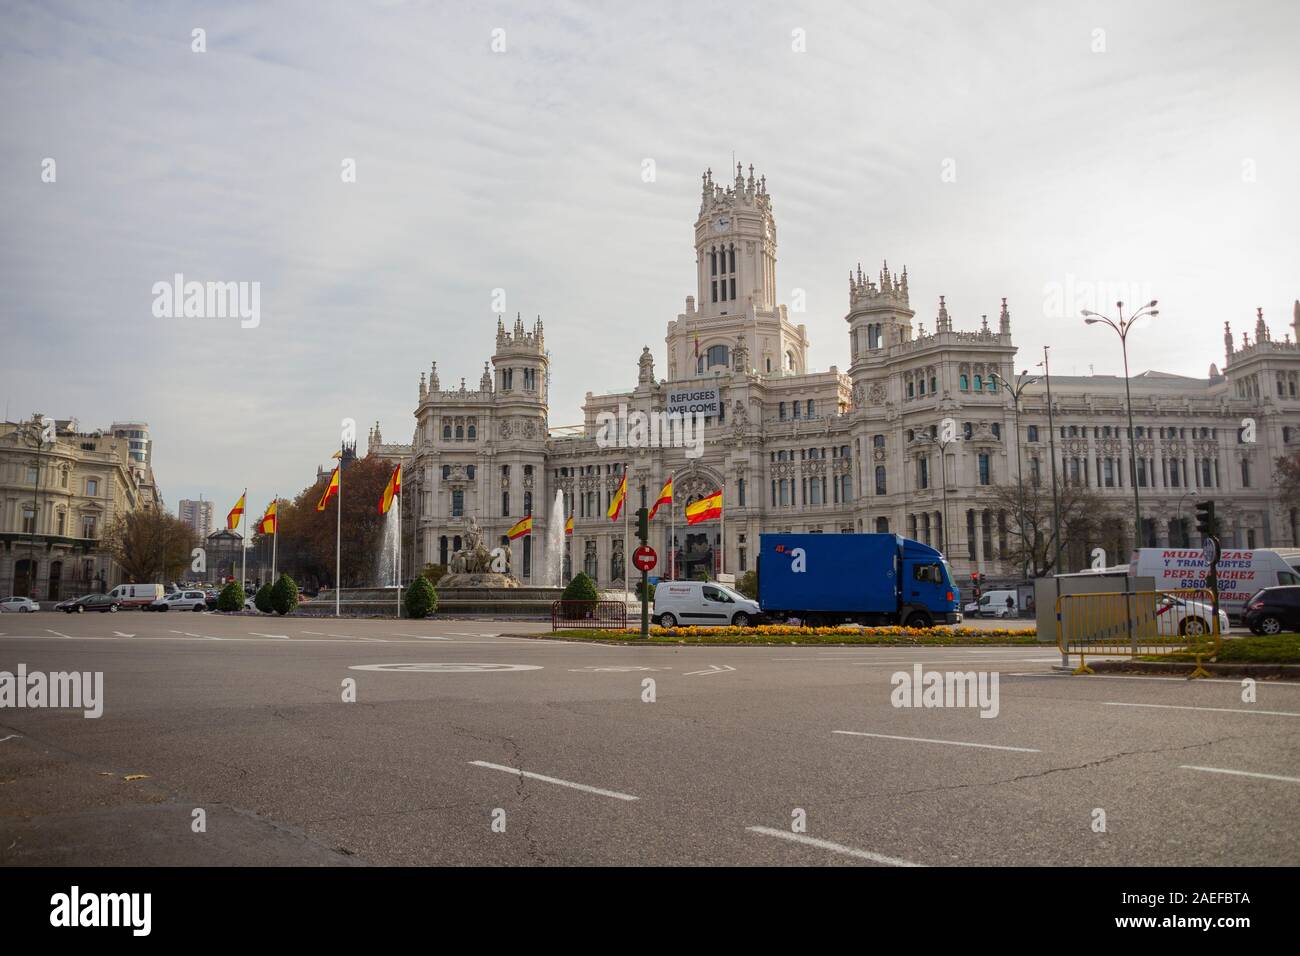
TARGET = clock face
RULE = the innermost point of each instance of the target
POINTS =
(720, 224)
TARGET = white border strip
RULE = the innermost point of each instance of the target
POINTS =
(833, 847)
(556, 780)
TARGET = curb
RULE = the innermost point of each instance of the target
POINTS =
(1177, 668)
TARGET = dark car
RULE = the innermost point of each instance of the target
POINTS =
(90, 602)
(1273, 610)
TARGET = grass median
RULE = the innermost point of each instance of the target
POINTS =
(777, 634)
(1264, 649)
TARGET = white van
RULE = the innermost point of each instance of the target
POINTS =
(136, 595)
(1241, 573)
(994, 604)
(702, 604)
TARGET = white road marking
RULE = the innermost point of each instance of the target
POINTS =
(1221, 710)
(833, 847)
(713, 669)
(120, 634)
(282, 637)
(929, 740)
(422, 637)
(204, 637)
(555, 780)
(10, 737)
(1242, 773)
(58, 633)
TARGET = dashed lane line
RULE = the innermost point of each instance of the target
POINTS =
(555, 780)
(1220, 710)
(930, 740)
(58, 633)
(832, 847)
(1242, 773)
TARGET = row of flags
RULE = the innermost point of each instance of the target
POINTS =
(708, 508)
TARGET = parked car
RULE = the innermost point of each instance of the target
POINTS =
(181, 601)
(18, 605)
(1176, 615)
(994, 604)
(137, 595)
(1273, 610)
(89, 602)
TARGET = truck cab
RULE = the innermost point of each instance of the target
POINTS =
(927, 583)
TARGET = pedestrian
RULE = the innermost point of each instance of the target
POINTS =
(1011, 606)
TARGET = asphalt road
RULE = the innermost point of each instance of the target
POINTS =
(243, 718)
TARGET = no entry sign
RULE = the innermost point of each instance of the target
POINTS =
(644, 558)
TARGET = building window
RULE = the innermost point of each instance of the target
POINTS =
(781, 411)
(716, 355)
(882, 525)
(88, 526)
(963, 382)
(33, 474)
(923, 473)
(470, 470)
(1035, 472)
(505, 504)
(460, 433)
(458, 503)
(29, 520)
(473, 433)
(811, 407)
(985, 476)
(1033, 433)
(92, 490)
(1245, 473)
(880, 480)
(740, 492)
(446, 433)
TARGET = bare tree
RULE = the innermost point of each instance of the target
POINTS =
(1088, 520)
(150, 545)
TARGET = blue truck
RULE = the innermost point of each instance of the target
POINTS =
(872, 579)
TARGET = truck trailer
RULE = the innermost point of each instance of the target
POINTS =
(873, 579)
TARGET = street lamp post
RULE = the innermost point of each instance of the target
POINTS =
(1051, 440)
(943, 477)
(34, 431)
(1122, 326)
(1023, 381)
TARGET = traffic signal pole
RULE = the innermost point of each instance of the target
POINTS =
(643, 535)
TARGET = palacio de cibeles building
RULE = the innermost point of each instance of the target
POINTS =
(856, 448)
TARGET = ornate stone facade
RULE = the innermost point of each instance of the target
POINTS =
(855, 450)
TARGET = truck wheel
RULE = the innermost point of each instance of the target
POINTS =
(918, 619)
(740, 620)
(667, 620)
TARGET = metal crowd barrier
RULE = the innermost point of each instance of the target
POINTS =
(1129, 623)
(593, 615)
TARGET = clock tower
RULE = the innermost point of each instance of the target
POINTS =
(735, 246)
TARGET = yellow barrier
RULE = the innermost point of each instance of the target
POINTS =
(1129, 623)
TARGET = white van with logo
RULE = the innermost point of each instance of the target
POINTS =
(1241, 573)
(703, 604)
(136, 595)
(994, 604)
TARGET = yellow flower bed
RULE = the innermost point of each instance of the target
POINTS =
(786, 630)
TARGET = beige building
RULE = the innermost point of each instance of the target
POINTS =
(859, 448)
(196, 514)
(60, 488)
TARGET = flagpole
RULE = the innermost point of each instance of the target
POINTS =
(627, 490)
(398, 504)
(275, 536)
(722, 533)
(243, 540)
(338, 539)
(672, 533)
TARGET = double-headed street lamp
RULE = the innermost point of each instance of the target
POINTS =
(1023, 381)
(1122, 327)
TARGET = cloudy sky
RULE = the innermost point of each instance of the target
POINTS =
(1135, 146)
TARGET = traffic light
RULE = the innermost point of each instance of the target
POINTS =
(975, 582)
(1205, 518)
(643, 525)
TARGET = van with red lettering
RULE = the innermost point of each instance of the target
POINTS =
(1241, 573)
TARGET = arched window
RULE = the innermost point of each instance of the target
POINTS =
(878, 441)
(880, 480)
(789, 361)
(473, 433)
(934, 384)
(979, 383)
(716, 355)
(963, 382)
(460, 432)
(469, 470)
(713, 261)
(446, 433)
(446, 472)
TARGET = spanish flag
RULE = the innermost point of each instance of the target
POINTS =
(522, 527)
(706, 509)
(268, 524)
(616, 503)
(665, 498)
(568, 525)
(331, 490)
(391, 490)
(236, 513)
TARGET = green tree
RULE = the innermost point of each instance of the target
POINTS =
(1287, 476)
(747, 584)
(421, 598)
(231, 597)
(284, 595)
(579, 597)
(262, 599)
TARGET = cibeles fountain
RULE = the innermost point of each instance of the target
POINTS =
(480, 579)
